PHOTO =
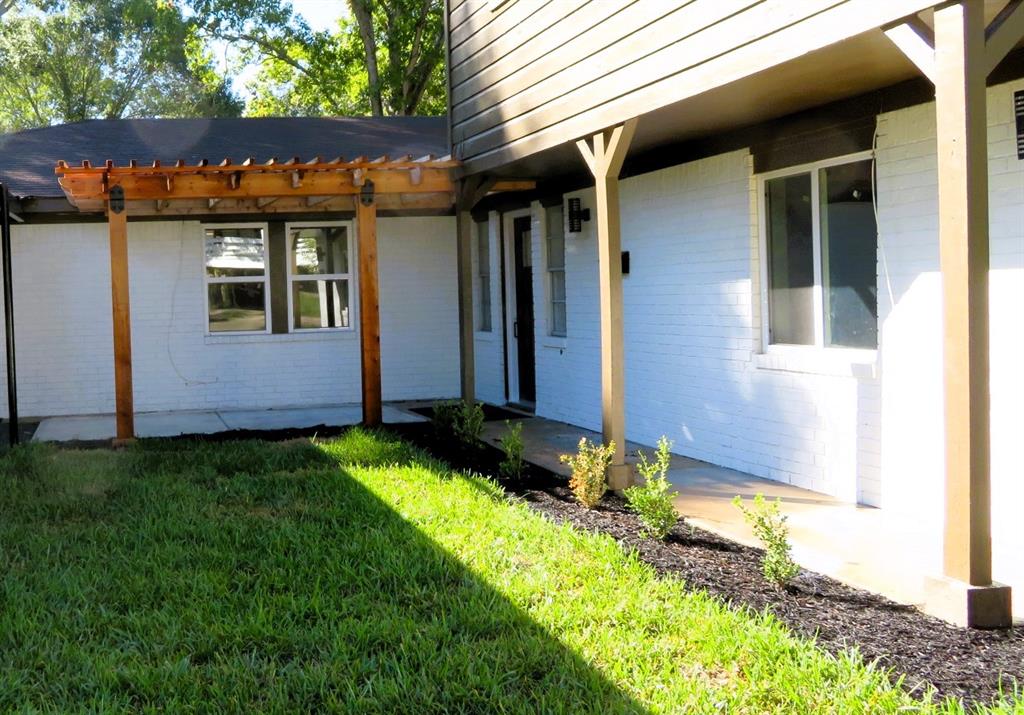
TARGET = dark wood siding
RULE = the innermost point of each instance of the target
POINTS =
(527, 75)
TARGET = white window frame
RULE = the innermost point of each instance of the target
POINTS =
(208, 280)
(767, 347)
(353, 259)
(550, 293)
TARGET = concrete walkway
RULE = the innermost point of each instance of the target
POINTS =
(94, 428)
(864, 547)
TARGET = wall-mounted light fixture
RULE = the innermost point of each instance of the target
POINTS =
(577, 215)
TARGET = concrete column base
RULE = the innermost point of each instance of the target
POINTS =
(620, 476)
(968, 606)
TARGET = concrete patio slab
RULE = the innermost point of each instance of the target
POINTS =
(868, 548)
(95, 428)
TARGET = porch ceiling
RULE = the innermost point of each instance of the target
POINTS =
(292, 186)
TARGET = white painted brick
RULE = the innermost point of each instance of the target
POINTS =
(63, 325)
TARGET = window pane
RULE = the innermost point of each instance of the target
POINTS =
(234, 252)
(849, 253)
(790, 260)
(557, 285)
(320, 304)
(319, 250)
(484, 320)
(558, 319)
(483, 249)
(556, 238)
(237, 307)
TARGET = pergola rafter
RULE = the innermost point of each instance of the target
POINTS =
(361, 185)
(291, 186)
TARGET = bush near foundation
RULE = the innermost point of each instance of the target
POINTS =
(769, 525)
(652, 500)
(589, 466)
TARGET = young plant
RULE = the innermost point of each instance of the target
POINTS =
(511, 466)
(769, 525)
(589, 465)
(459, 420)
(652, 500)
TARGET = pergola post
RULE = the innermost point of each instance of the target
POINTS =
(369, 307)
(464, 261)
(117, 217)
(958, 59)
(605, 159)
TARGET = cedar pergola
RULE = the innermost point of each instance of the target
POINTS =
(360, 185)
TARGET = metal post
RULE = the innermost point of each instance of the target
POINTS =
(12, 380)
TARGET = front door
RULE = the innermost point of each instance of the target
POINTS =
(522, 328)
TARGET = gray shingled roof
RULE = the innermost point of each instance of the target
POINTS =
(28, 158)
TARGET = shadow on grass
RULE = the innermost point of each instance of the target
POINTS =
(262, 577)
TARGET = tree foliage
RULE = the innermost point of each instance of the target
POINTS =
(386, 57)
(70, 60)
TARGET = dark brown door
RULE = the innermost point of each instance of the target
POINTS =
(523, 326)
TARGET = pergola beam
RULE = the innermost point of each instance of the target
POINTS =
(369, 309)
(117, 217)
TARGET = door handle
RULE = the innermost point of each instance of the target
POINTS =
(515, 329)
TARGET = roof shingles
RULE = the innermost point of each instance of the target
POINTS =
(28, 158)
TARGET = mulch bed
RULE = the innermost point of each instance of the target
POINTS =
(958, 662)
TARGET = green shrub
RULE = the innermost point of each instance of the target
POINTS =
(769, 525)
(652, 500)
(511, 466)
(460, 420)
(589, 465)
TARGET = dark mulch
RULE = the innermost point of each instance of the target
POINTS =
(958, 662)
(492, 413)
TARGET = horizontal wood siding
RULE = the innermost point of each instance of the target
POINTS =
(527, 75)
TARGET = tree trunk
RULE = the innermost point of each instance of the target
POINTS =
(362, 10)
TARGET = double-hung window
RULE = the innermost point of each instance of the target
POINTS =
(319, 277)
(483, 273)
(237, 292)
(556, 272)
(820, 246)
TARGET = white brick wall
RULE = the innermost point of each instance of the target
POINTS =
(692, 336)
(62, 309)
(911, 337)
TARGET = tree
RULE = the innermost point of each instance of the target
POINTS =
(407, 38)
(387, 58)
(73, 60)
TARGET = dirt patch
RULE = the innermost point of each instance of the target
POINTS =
(965, 663)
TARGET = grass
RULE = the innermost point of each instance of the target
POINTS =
(357, 575)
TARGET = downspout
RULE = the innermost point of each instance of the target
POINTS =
(12, 380)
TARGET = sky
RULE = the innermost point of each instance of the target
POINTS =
(319, 15)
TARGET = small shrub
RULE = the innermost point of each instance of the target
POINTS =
(652, 500)
(460, 420)
(589, 465)
(769, 526)
(511, 466)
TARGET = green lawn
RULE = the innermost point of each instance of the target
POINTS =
(355, 575)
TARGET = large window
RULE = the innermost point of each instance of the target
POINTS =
(483, 272)
(556, 272)
(236, 279)
(820, 249)
(319, 278)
